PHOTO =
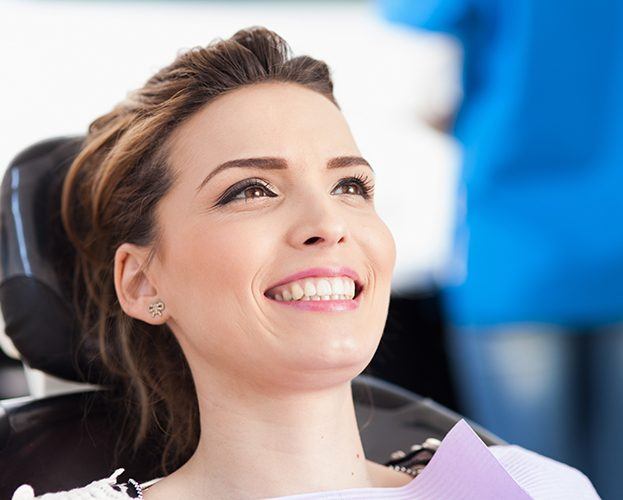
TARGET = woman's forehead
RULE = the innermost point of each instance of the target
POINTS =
(270, 119)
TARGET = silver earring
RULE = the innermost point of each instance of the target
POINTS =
(156, 308)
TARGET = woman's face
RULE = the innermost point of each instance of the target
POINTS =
(272, 195)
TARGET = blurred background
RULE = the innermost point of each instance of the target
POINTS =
(494, 128)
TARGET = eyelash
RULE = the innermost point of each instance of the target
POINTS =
(362, 180)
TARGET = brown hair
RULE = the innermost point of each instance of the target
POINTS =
(109, 197)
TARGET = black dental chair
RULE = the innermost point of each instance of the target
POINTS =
(64, 441)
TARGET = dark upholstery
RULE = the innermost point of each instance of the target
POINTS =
(36, 263)
(60, 442)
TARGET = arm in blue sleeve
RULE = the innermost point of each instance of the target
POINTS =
(433, 15)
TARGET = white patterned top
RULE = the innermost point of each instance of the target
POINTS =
(462, 467)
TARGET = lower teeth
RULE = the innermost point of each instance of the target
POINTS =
(325, 297)
(306, 298)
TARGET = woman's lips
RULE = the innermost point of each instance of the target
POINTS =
(322, 305)
(318, 289)
(315, 272)
(325, 288)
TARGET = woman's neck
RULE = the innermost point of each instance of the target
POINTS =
(261, 444)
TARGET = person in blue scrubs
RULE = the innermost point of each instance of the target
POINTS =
(536, 316)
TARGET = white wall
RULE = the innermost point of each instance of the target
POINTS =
(64, 63)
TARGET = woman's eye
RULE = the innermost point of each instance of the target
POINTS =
(351, 189)
(360, 185)
(247, 190)
(252, 192)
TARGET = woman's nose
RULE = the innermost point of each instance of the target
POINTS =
(318, 225)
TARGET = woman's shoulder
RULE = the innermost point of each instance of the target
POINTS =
(541, 476)
(106, 488)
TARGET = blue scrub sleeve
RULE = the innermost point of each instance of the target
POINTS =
(433, 15)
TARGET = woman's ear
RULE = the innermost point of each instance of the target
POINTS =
(133, 287)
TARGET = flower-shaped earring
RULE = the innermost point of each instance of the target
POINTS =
(156, 309)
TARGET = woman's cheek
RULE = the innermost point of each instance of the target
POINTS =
(382, 249)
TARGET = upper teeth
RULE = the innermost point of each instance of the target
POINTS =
(334, 288)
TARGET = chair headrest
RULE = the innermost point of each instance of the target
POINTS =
(37, 262)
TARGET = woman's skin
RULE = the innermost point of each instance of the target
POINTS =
(273, 380)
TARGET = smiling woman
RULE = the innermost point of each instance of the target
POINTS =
(233, 267)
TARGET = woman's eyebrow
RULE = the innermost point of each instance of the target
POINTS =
(348, 161)
(273, 163)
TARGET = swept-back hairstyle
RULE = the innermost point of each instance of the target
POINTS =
(109, 197)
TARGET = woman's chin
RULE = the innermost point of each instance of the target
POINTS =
(322, 380)
(332, 362)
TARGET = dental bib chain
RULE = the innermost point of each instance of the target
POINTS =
(416, 459)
